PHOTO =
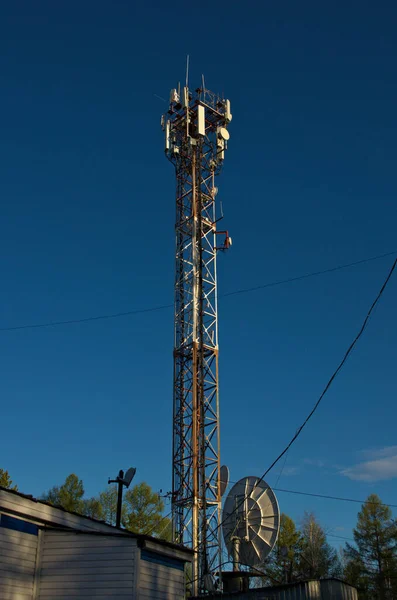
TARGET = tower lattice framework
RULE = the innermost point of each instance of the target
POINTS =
(195, 142)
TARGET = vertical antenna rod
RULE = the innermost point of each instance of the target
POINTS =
(196, 138)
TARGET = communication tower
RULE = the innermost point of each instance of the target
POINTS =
(196, 137)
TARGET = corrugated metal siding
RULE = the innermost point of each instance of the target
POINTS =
(17, 564)
(309, 590)
(86, 566)
(159, 582)
(336, 590)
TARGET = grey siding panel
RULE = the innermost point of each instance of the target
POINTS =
(17, 564)
(42, 513)
(86, 566)
(158, 582)
(12, 595)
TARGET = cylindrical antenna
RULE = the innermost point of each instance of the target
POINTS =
(187, 71)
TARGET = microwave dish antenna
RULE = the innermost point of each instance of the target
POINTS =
(251, 521)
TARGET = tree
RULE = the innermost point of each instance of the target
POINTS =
(143, 511)
(355, 573)
(6, 481)
(318, 558)
(373, 563)
(93, 508)
(108, 501)
(69, 495)
(282, 566)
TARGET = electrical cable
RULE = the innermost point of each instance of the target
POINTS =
(307, 275)
(87, 319)
(333, 497)
(167, 516)
(129, 313)
(330, 381)
(327, 497)
(340, 537)
(282, 469)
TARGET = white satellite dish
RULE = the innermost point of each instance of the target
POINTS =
(223, 134)
(251, 521)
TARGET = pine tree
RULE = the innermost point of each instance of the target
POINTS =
(6, 481)
(282, 566)
(373, 563)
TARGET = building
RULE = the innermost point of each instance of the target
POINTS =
(314, 589)
(48, 553)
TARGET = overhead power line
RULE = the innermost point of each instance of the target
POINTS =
(307, 275)
(138, 311)
(127, 313)
(330, 381)
(326, 497)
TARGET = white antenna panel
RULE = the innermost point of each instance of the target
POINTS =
(167, 135)
(200, 120)
(228, 114)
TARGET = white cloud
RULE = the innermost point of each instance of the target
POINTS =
(375, 453)
(290, 471)
(314, 462)
(375, 470)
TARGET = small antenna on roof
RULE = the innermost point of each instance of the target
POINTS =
(202, 82)
(187, 70)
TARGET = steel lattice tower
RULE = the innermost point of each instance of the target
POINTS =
(195, 142)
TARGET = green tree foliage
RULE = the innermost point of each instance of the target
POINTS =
(108, 501)
(69, 495)
(317, 558)
(6, 481)
(284, 561)
(372, 564)
(93, 508)
(144, 511)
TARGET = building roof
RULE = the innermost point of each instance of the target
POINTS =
(57, 517)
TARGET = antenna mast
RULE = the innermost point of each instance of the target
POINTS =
(196, 138)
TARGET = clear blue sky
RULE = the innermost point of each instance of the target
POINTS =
(87, 217)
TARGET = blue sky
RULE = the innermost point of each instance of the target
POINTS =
(87, 217)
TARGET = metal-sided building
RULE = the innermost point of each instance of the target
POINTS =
(314, 589)
(48, 553)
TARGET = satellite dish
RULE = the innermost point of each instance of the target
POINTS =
(129, 476)
(223, 479)
(251, 518)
